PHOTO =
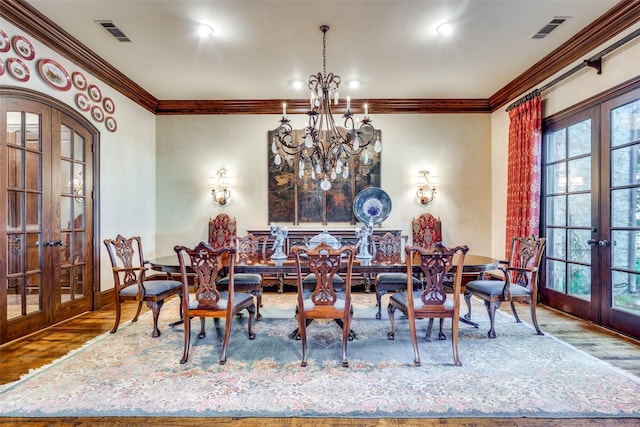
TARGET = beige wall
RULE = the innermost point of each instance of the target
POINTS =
(617, 67)
(192, 148)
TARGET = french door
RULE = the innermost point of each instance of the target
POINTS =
(591, 206)
(46, 216)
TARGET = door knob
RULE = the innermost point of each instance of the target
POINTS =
(58, 243)
(604, 243)
(592, 242)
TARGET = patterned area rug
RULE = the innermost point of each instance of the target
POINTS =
(519, 374)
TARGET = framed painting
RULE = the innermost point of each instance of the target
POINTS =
(297, 200)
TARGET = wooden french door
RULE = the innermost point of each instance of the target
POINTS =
(591, 218)
(46, 215)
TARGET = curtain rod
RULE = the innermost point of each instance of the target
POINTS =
(595, 61)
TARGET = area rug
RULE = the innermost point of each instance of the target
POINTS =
(519, 374)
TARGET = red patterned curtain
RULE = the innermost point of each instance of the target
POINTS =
(523, 177)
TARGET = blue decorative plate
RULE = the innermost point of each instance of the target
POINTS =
(372, 204)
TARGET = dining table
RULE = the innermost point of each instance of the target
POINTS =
(474, 265)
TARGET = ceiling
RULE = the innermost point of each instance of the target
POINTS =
(259, 46)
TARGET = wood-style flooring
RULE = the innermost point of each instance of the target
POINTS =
(41, 348)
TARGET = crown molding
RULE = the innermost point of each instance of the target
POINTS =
(301, 106)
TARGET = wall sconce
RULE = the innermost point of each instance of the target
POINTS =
(220, 187)
(427, 187)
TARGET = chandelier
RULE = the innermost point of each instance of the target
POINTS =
(326, 148)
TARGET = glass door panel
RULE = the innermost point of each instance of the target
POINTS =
(623, 302)
(568, 208)
(24, 219)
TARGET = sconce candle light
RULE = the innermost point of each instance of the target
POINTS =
(427, 187)
(220, 187)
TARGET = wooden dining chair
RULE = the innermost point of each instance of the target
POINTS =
(426, 230)
(387, 249)
(323, 301)
(206, 263)
(249, 250)
(130, 281)
(431, 302)
(520, 281)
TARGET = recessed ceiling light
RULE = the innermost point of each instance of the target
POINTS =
(296, 84)
(204, 30)
(354, 84)
(445, 29)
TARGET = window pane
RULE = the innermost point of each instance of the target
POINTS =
(556, 276)
(34, 211)
(580, 138)
(625, 207)
(556, 209)
(556, 178)
(556, 146)
(625, 165)
(557, 243)
(14, 168)
(65, 142)
(14, 128)
(32, 140)
(579, 250)
(626, 249)
(33, 163)
(579, 207)
(625, 124)
(579, 174)
(626, 291)
(78, 147)
(580, 281)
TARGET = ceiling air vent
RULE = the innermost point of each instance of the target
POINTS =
(552, 25)
(114, 31)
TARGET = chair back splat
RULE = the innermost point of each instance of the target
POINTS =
(426, 231)
(209, 301)
(323, 301)
(387, 249)
(520, 281)
(432, 301)
(250, 250)
(130, 282)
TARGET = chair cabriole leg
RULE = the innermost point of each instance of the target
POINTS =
(155, 307)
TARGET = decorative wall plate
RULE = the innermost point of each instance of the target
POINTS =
(54, 74)
(18, 69)
(111, 124)
(4, 42)
(109, 106)
(372, 204)
(23, 47)
(95, 93)
(79, 80)
(82, 101)
(97, 114)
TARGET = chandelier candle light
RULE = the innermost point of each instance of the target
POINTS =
(326, 147)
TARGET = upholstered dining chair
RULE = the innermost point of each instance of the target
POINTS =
(324, 301)
(222, 232)
(130, 282)
(520, 281)
(209, 301)
(249, 250)
(431, 302)
(426, 230)
(387, 249)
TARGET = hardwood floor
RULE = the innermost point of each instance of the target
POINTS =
(18, 357)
